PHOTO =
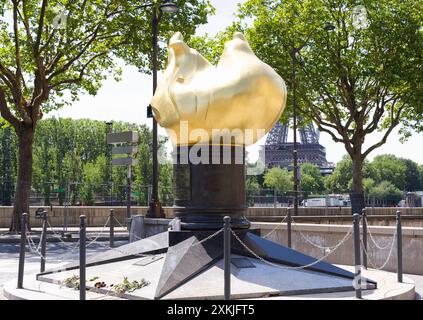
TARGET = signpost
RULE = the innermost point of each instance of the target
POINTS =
(127, 137)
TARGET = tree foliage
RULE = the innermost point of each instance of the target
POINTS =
(311, 179)
(72, 155)
(52, 51)
(352, 81)
(279, 179)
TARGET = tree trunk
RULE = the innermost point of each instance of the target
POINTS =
(357, 174)
(356, 195)
(23, 187)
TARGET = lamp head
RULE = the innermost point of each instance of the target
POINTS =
(169, 6)
(329, 26)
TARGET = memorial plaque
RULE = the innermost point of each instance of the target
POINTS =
(182, 181)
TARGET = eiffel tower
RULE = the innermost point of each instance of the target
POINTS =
(279, 152)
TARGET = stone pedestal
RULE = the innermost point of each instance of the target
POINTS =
(209, 183)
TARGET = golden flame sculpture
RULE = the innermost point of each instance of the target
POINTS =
(241, 97)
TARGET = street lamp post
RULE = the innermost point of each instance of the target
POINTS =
(155, 209)
(109, 129)
(293, 52)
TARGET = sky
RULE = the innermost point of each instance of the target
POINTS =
(127, 101)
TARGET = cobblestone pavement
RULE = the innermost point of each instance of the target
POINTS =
(58, 253)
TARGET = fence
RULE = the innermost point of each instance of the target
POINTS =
(96, 215)
(352, 232)
(78, 194)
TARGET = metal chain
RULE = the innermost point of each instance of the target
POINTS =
(120, 251)
(207, 238)
(147, 255)
(276, 228)
(122, 226)
(389, 255)
(32, 246)
(307, 239)
(59, 236)
(99, 233)
(291, 268)
(374, 241)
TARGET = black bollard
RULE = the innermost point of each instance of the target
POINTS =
(357, 275)
(399, 246)
(82, 256)
(364, 225)
(112, 229)
(44, 242)
(288, 224)
(22, 250)
(227, 256)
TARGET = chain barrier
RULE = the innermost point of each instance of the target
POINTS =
(389, 254)
(374, 241)
(349, 233)
(32, 246)
(308, 240)
(276, 228)
(59, 236)
(99, 233)
(122, 226)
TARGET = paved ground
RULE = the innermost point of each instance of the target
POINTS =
(58, 253)
(419, 284)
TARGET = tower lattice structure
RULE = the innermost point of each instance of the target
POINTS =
(279, 151)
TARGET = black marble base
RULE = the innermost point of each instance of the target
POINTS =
(206, 191)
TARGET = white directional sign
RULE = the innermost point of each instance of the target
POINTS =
(125, 150)
(124, 162)
(122, 137)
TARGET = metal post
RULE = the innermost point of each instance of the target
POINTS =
(227, 256)
(399, 246)
(289, 227)
(112, 229)
(44, 242)
(155, 210)
(22, 250)
(67, 196)
(364, 225)
(294, 116)
(128, 194)
(82, 256)
(274, 198)
(357, 276)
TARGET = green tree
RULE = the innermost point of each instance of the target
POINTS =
(387, 193)
(368, 185)
(341, 179)
(166, 183)
(421, 176)
(351, 81)
(311, 179)
(279, 179)
(93, 176)
(389, 168)
(43, 66)
(413, 180)
(253, 189)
